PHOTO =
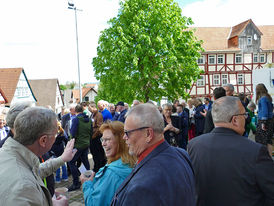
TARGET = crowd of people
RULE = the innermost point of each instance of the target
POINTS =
(186, 153)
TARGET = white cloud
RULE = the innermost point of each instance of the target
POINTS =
(227, 13)
(40, 35)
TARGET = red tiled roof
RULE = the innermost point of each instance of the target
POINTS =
(76, 95)
(238, 29)
(8, 81)
(90, 85)
(216, 38)
(3, 96)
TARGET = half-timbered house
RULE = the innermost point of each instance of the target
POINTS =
(231, 54)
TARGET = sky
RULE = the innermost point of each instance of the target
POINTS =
(40, 35)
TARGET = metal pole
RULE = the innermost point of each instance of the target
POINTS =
(80, 89)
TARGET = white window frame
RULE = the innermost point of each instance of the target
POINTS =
(224, 79)
(201, 59)
(216, 79)
(240, 79)
(255, 58)
(201, 81)
(262, 56)
(211, 57)
(221, 58)
(249, 40)
(238, 58)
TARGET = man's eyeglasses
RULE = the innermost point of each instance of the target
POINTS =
(133, 130)
(245, 115)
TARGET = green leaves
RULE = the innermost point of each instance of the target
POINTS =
(147, 53)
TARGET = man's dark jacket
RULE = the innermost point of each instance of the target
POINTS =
(209, 125)
(65, 123)
(120, 117)
(231, 170)
(164, 177)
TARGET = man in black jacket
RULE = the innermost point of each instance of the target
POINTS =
(209, 126)
(231, 169)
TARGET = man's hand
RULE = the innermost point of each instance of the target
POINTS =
(69, 152)
(60, 201)
(204, 113)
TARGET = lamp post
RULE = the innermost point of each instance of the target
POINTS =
(73, 7)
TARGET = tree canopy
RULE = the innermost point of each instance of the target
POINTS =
(147, 52)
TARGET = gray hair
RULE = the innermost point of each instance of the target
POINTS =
(147, 115)
(14, 110)
(168, 105)
(224, 108)
(72, 106)
(34, 122)
(135, 102)
(230, 86)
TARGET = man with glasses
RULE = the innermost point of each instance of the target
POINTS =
(231, 169)
(163, 174)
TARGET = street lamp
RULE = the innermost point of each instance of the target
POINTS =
(73, 7)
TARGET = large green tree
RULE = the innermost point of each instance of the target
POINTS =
(147, 52)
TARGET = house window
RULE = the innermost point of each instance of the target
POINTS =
(262, 58)
(201, 81)
(86, 99)
(201, 59)
(238, 58)
(224, 79)
(220, 59)
(255, 58)
(211, 59)
(240, 79)
(249, 40)
(216, 79)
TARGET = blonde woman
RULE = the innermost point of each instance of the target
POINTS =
(100, 187)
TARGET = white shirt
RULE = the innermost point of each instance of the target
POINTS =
(3, 133)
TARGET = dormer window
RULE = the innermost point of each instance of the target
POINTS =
(249, 40)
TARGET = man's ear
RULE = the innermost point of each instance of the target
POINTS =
(42, 140)
(150, 134)
(234, 121)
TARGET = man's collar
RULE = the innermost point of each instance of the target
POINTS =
(149, 150)
(221, 129)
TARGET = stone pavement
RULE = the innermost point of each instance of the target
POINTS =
(76, 197)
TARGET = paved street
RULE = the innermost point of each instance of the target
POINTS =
(76, 198)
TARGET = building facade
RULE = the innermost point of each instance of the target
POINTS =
(15, 86)
(231, 54)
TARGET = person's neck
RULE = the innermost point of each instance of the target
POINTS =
(34, 149)
(226, 125)
(167, 117)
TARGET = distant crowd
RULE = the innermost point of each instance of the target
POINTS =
(186, 153)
